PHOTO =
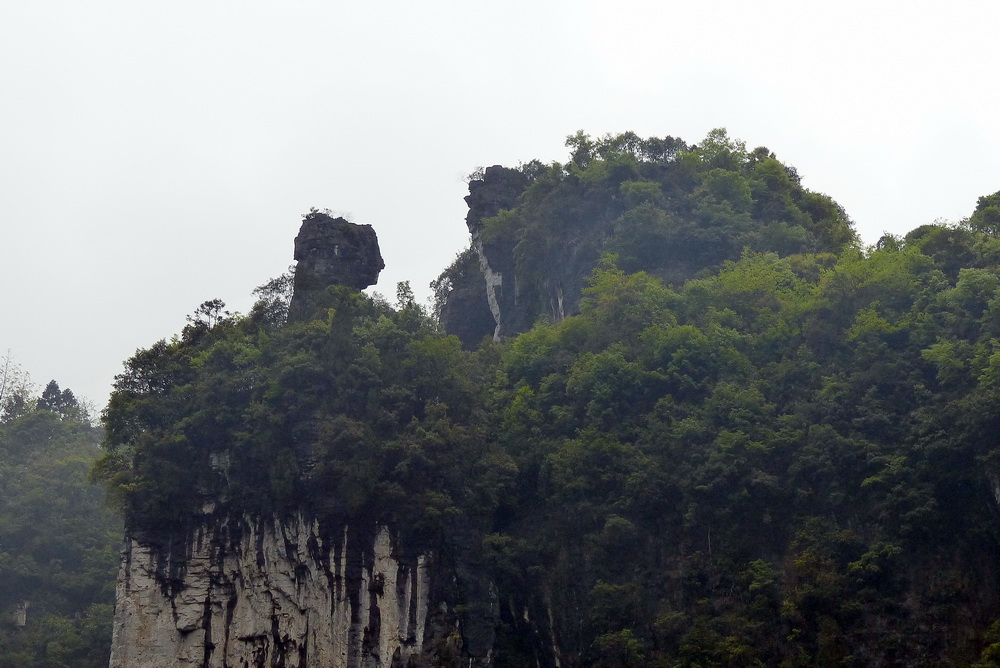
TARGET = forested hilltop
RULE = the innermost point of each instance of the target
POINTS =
(743, 440)
(657, 204)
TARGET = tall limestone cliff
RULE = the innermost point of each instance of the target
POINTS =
(227, 572)
(785, 462)
(497, 190)
(282, 591)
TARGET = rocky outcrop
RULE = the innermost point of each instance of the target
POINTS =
(332, 251)
(498, 189)
(517, 290)
(277, 592)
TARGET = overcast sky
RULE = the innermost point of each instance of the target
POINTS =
(156, 155)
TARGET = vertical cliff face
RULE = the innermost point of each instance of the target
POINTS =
(498, 189)
(277, 592)
(526, 278)
(344, 575)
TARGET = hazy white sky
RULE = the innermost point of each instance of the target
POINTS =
(156, 155)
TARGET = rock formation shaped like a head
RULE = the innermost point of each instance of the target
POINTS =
(332, 251)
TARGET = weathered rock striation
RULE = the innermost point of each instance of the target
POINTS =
(332, 251)
(518, 298)
(269, 592)
(499, 188)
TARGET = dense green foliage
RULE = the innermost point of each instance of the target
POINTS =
(365, 410)
(661, 206)
(789, 463)
(58, 541)
(791, 460)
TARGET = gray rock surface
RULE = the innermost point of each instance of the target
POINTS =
(499, 188)
(278, 596)
(332, 251)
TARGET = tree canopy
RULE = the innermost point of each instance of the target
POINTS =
(788, 457)
(59, 542)
(662, 206)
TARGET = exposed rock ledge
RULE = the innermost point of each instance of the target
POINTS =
(274, 595)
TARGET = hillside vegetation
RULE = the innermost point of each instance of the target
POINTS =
(752, 442)
(659, 205)
(59, 543)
